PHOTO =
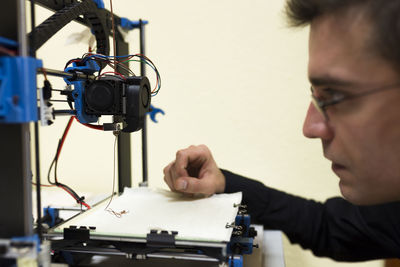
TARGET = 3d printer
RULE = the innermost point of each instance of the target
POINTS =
(120, 94)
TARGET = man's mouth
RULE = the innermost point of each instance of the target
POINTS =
(337, 167)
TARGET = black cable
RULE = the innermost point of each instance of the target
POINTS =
(92, 15)
(54, 163)
(69, 62)
(56, 183)
(48, 173)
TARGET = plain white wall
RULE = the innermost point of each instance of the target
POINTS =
(234, 78)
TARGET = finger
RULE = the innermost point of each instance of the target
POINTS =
(167, 176)
(175, 175)
(168, 181)
(166, 168)
(193, 157)
(171, 178)
(192, 186)
(181, 162)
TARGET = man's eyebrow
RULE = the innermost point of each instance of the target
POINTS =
(320, 81)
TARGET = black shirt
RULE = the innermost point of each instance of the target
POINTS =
(335, 229)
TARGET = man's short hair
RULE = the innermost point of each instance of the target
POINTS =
(384, 16)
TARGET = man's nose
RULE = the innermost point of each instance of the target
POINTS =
(316, 125)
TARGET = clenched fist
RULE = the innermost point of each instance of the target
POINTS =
(194, 171)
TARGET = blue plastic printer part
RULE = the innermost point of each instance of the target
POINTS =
(243, 219)
(131, 24)
(18, 98)
(51, 213)
(236, 261)
(99, 3)
(154, 111)
(8, 42)
(78, 93)
(244, 242)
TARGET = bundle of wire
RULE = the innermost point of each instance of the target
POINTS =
(119, 62)
(79, 200)
(7, 51)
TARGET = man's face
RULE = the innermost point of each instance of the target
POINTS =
(361, 136)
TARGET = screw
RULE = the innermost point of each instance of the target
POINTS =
(15, 99)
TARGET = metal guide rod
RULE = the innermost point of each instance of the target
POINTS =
(27, 178)
(37, 151)
(124, 139)
(144, 129)
(22, 39)
(63, 74)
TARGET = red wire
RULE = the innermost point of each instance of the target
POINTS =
(66, 190)
(96, 127)
(44, 73)
(75, 60)
(79, 201)
(86, 205)
(8, 51)
(71, 119)
(155, 88)
(113, 72)
(148, 59)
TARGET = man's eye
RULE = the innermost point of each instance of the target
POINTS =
(331, 95)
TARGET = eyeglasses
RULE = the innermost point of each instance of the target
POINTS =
(339, 97)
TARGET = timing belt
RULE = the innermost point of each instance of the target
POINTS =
(95, 17)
